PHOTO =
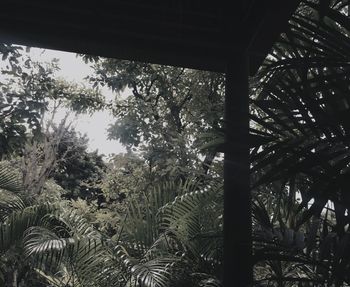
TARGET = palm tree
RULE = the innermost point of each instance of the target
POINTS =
(300, 108)
(174, 237)
(15, 216)
(171, 236)
(44, 239)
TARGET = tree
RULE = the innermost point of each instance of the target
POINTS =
(13, 269)
(78, 171)
(161, 237)
(167, 110)
(27, 90)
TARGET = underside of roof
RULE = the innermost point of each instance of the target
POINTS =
(190, 33)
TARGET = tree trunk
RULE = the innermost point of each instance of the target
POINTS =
(15, 278)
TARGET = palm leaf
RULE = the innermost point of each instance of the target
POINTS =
(10, 179)
(13, 228)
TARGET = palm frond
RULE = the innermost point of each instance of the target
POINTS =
(9, 203)
(83, 252)
(158, 272)
(141, 226)
(201, 235)
(13, 228)
(10, 178)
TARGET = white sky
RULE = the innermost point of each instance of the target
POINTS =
(74, 69)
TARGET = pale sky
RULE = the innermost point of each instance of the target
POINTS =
(74, 69)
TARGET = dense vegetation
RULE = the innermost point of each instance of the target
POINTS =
(153, 216)
(69, 218)
(300, 177)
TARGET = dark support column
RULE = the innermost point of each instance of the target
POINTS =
(237, 206)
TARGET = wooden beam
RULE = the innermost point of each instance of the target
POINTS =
(268, 29)
(124, 47)
(183, 33)
(237, 198)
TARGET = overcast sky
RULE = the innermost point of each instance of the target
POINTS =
(74, 69)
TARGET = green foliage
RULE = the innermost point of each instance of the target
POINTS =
(126, 175)
(58, 246)
(162, 112)
(300, 109)
(10, 178)
(78, 171)
(168, 232)
(27, 90)
(143, 222)
(171, 121)
(66, 239)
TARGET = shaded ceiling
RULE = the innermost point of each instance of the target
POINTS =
(190, 33)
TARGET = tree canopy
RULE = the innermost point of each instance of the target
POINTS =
(73, 214)
(162, 112)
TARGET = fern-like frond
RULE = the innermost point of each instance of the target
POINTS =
(45, 245)
(83, 255)
(13, 228)
(195, 219)
(175, 224)
(142, 225)
(76, 224)
(9, 203)
(183, 212)
(158, 272)
(10, 178)
(66, 246)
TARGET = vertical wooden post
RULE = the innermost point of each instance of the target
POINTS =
(237, 206)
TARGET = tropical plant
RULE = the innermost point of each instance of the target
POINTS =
(164, 241)
(51, 239)
(175, 237)
(300, 109)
